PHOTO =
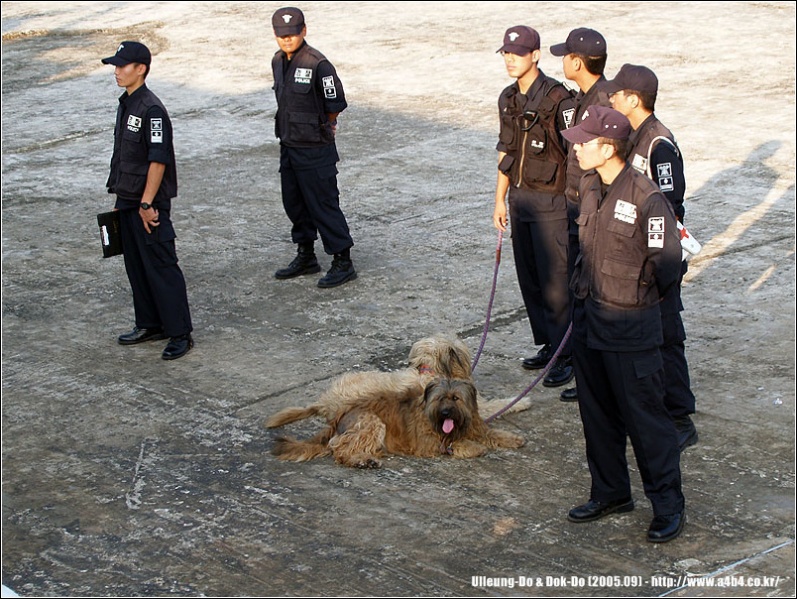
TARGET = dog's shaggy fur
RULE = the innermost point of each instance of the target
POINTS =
(429, 409)
(393, 415)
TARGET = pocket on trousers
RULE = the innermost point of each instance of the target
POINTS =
(161, 247)
(645, 365)
(328, 175)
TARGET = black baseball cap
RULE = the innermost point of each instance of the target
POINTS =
(635, 78)
(587, 42)
(128, 52)
(287, 21)
(599, 121)
(520, 40)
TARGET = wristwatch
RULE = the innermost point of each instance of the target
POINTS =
(145, 206)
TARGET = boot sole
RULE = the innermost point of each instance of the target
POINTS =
(307, 271)
(351, 277)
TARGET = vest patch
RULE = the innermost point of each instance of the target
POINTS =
(656, 232)
(303, 75)
(568, 115)
(625, 211)
(640, 163)
(134, 123)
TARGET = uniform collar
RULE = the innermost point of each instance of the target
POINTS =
(637, 133)
(124, 97)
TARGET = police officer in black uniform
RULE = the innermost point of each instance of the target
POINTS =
(144, 178)
(584, 56)
(531, 168)
(309, 99)
(655, 153)
(630, 255)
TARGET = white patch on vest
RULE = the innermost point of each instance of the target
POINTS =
(656, 232)
(134, 123)
(640, 163)
(665, 176)
(330, 93)
(303, 75)
(568, 115)
(156, 131)
(625, 211)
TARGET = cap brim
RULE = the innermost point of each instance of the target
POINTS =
(560, 50)
(513, 49)
(288, 30)
(612, 87)
(577, 135)
(116, 61)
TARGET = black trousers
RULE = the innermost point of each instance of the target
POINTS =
(160, 299)
(540, 250)
(678, 396)
(311, 198)
(619, 394)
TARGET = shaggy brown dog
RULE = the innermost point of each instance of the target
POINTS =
(370, 415)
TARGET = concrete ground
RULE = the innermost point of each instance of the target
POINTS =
(125, 475)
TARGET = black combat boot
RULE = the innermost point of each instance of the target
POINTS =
(341, 271)
(305, 263)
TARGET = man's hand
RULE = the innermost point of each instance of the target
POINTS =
(499, 216)
(149, 218)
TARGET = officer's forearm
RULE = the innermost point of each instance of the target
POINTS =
(154, 178)
(502, 184)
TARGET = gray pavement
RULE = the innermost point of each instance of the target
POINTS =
(125, 475)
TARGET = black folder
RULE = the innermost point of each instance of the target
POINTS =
(110, 233)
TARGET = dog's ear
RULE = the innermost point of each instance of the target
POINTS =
(469, 392)
(455, 358)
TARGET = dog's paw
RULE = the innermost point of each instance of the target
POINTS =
(466, 448)
(516, 441)
(506, 440)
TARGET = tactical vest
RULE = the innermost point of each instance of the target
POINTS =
(651, 134)
(535, 157)
(616, 239)
(300, 120)
(594, 96)
(130, 164)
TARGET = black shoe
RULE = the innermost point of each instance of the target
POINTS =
(569, 395)
(687, 433)
(305, 263)
(341, 271)
(666, 528)
(177, 347)
(595, 510)
(540, 360)
(561, 373)
(140, 336)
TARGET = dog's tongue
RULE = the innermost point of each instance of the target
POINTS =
(448, 425)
